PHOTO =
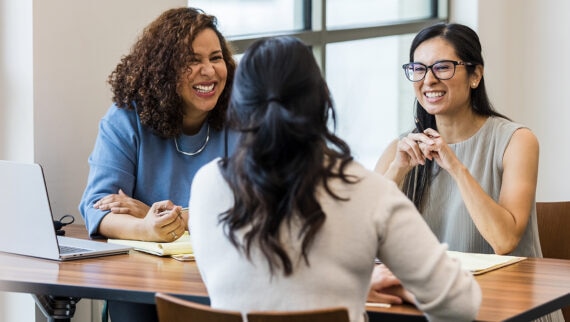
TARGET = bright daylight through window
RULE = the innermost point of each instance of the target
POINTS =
(361, 46)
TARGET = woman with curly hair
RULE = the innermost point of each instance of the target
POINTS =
(170, 97)
(294, 214)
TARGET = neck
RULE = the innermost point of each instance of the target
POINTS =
(192, 125)
(458, 128)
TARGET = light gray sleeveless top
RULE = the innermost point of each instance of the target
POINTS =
(445, 211)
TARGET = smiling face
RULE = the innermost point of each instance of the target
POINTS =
(443, 96)
(204, 80)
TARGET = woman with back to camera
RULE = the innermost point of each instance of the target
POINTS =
(292, 213)
(170, 96)
(470, 171)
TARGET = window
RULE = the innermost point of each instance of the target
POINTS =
(360, 45)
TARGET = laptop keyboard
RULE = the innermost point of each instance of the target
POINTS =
(71, 249)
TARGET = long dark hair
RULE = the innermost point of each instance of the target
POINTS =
(148, 76)
(281, 106)
(468, 49)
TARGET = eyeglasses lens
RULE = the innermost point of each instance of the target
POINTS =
(416, 71)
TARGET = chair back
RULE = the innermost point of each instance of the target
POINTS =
(553, 220)
(174, 309)
(337, 314)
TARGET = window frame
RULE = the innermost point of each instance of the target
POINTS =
(316, 34)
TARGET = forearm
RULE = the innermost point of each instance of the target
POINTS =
(123, 226)
(396, 173)
(495, 223)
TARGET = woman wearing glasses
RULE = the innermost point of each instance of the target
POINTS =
(470, 171)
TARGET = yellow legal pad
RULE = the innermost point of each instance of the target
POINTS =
(482, 263)
(181, 246)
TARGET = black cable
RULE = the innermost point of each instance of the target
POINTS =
(62, 222)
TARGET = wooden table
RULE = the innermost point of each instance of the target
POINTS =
(519, 292)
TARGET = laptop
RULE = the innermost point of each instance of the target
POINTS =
(26, 226)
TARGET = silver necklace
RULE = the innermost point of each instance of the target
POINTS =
(197, 151)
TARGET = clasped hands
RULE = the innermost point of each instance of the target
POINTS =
(415, 148)
(163, 221)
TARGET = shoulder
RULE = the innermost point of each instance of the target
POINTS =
(209, 190)
(372, 182)
(515, 132)
(523, 139)
(117, 113)
(503, 126)
(209, 174)
(120, 117)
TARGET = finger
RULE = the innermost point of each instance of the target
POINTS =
(426, 150)
(432, 133)
(384, 283)
(411, 147)
(106, 200)
(377, 297)
(121, 210)
(421, 137)
(163, 205)
(173, 213)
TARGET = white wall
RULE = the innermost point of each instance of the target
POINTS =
(16, 111)
(525, 46)
(55, 57)
(16, 75)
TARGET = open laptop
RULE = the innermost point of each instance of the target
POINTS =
(26, 226)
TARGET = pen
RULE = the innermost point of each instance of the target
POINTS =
(419, 126)
(374, 304)
(162, 213)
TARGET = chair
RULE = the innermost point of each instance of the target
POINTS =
(553, 220)
(337, 314)
(174, 309)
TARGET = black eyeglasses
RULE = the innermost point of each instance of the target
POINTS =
(442, 70)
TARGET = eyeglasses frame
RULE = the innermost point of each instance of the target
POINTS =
(430, 67)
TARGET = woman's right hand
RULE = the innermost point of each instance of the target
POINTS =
(402, 155)
(165, 221)
(410, 150)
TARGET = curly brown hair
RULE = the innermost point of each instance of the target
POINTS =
(147, 77)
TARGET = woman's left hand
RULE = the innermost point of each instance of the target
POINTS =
(386, 288)
(120, 203)
(439, 151)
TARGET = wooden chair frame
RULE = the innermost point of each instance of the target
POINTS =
(175, 309)
(553, 220)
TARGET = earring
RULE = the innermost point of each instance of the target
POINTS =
(474, 85)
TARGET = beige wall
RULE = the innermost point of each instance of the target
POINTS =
(55, 57)
(525, 45)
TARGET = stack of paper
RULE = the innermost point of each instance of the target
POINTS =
(482, 263)
(181, 246)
